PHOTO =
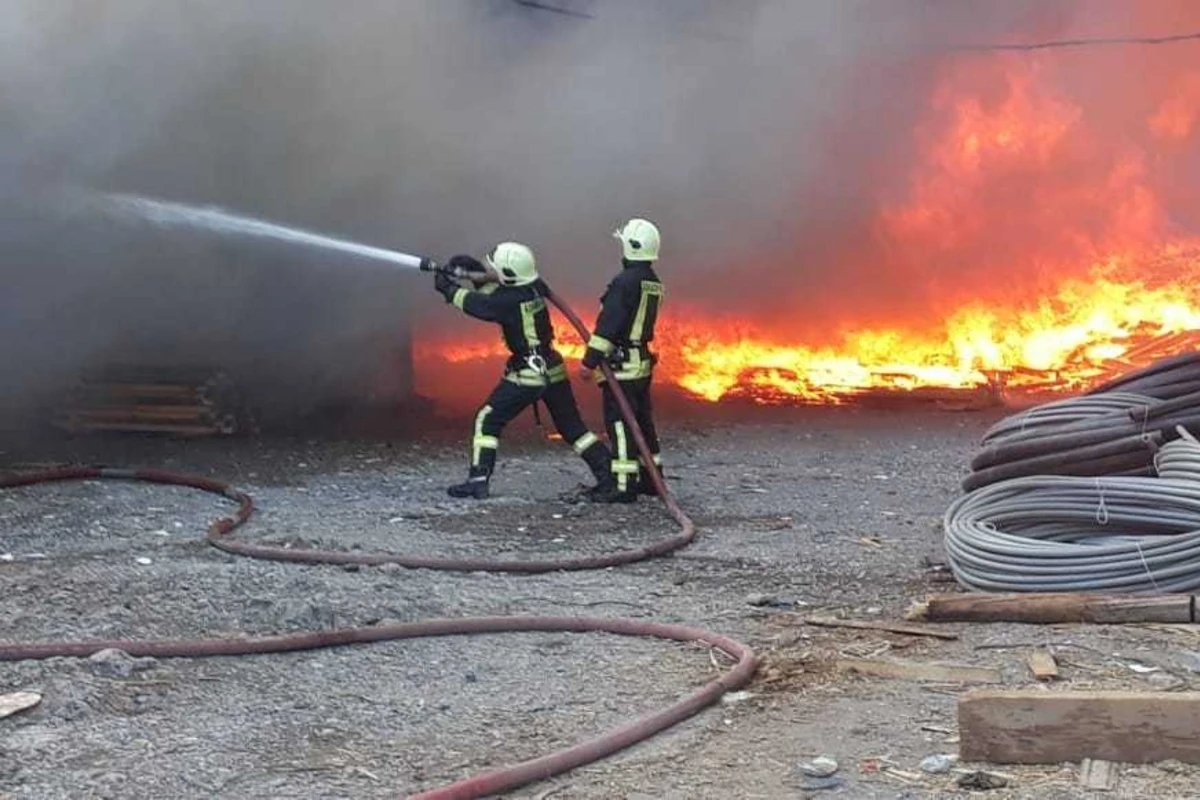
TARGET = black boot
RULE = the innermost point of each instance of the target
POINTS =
(599, 461)
(607, 492)
(475, 486)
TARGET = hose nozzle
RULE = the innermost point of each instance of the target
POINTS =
(429, 265)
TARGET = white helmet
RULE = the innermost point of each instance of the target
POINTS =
(514, 264)
(639, 240)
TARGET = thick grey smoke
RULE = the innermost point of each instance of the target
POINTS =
(433, 126)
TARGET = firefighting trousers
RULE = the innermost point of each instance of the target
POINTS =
(509, 399)
(625, 466)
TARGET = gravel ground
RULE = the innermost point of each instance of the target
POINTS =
(800, 511)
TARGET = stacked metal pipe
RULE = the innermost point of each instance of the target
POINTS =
(1114, 433)
(166, 400)
(1099, 492)
(1167, 379)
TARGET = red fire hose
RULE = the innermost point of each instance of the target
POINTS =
(479, 786)
(219, 534)
(541, 768)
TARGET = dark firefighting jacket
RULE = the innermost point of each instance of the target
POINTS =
(628, 313)
(524, 318)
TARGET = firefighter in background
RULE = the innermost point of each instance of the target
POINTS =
(629, 310)
(509, 292)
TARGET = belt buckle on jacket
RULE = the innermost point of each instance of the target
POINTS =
(618, 356)
(536, 362)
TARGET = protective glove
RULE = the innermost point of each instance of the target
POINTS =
(466, 264)
(444, 285)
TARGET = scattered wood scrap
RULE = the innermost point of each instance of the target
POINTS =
(1043, 666)
(17, 701)
(913, 671)
(909, 630)
(1097, 775)
(1053, 607)
(1039, 727)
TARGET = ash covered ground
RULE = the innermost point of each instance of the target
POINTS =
(800, 512)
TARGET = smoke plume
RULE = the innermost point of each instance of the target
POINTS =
(764, 136)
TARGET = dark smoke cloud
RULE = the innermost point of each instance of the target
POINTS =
(758, 133)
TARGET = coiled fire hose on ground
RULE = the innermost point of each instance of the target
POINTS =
(489, 783)
(1051, 533)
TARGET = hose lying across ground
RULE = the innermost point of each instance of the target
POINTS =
(1064, 497)
(220, 536)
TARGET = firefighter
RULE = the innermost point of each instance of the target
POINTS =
(622, 335)
(509, 292)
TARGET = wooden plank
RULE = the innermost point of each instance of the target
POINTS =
(913, 671)
(890, 627)
(1097, 775)
(1049, 608)
(1040, 727)
(1043, 666)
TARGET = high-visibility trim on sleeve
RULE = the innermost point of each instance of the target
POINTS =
(599, 343)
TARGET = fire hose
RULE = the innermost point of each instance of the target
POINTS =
(488, 783)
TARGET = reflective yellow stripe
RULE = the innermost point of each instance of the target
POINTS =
(526, 378)
(598, 342)
(482, 440)
(460, 297)
(649, 289)
(622, 467)
(584, 442)
(531, 377)
(529, 311)
(635, 367)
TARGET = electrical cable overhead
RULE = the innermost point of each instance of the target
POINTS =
(1061, 43)
(537, 5)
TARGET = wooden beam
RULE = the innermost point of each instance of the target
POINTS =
(1040, 727)
(890, 627)
(1049, 608)
(913, 671)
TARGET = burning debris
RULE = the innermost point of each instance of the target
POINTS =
(1030, 248)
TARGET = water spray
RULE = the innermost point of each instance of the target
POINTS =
(165, 213)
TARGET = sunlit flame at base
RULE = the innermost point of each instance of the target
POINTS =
(1091, 331)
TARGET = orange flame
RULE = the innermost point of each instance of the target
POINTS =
(1054, 266)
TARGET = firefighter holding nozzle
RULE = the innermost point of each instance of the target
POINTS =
(506, 290)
